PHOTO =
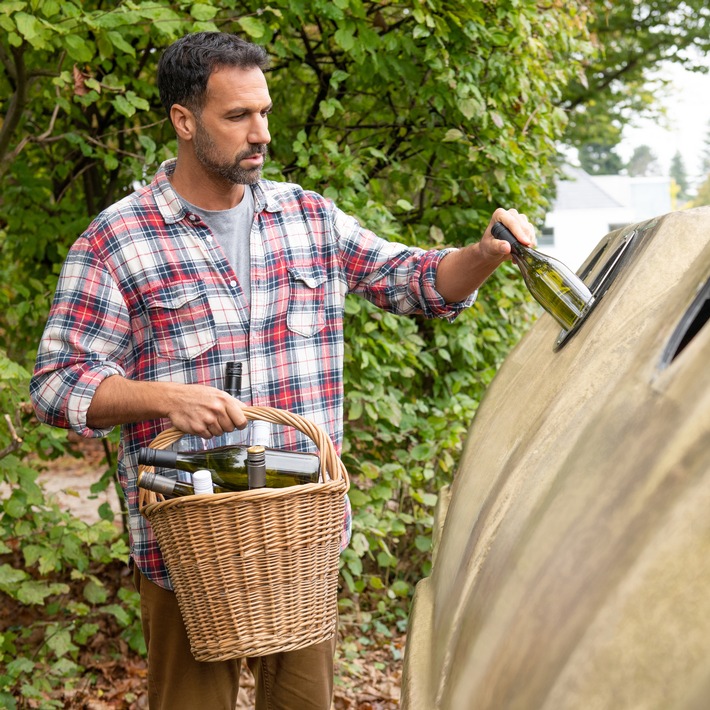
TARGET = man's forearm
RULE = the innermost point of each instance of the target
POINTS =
(195, 409)
(121, 401)
(462, 272)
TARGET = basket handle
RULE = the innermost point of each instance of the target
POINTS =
(332, 468)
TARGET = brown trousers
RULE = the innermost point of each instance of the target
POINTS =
(297, 680)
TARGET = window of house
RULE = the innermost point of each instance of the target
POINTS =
(547, 237)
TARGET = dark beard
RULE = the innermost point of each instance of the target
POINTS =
(231, 172)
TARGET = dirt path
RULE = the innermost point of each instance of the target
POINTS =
(68, 481)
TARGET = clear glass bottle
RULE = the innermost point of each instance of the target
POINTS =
(227, 465)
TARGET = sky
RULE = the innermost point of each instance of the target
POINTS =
(688, 116)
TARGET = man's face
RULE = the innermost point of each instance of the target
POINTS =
(232, 129)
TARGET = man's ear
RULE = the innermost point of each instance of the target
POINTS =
(183, 121)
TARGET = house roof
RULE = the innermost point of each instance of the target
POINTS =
(578, 189)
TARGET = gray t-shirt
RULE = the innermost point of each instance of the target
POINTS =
(231, 229)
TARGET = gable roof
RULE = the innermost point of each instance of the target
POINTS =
(577, 190)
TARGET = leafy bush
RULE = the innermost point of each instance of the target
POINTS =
(56, 593)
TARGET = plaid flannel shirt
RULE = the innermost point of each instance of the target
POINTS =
(147, 293)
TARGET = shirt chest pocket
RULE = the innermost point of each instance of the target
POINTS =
(181, 319)
(306, 303)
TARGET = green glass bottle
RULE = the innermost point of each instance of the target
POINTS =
(555, 287)
(228, 465)
(256, 467)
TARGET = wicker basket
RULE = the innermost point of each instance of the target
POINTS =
(255, 572)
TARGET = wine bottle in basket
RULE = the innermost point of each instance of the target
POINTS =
(170, 487)
(228, 465)
(202, 482)
(256, 467)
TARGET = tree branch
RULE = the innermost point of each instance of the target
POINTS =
(16, 442)
(18, 102)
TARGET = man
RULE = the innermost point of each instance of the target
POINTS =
(207, 264)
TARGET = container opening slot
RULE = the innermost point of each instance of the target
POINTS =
(689, 326)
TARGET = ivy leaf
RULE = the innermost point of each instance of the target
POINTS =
(497, 120)
(422, 543)
(203, 12)
(27, 25)
(95, 592)
(60, 642)
(35, 592)
(345, 39)
(423, 452)
(124, 106)
(78, 48)
(10, 576)
(253, 27)
(119, 42)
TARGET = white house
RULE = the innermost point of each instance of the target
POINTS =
(589, 206)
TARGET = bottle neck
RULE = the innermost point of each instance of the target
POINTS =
(157, 457)
(233, 379)
(500, 231)
(256, 466)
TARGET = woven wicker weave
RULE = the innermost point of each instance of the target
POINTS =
(255, 572)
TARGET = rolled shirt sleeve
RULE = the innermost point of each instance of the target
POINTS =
(393, 276)
(86, 338)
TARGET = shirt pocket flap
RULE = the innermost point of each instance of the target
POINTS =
(174, 295)
(311, 276)
(306, 303)
(181, 319)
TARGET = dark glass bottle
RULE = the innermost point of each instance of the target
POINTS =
(228, 465)
(233, 378)
(555, 287)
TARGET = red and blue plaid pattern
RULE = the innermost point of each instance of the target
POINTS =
(147, 293)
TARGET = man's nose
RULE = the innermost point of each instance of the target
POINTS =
(259, 133)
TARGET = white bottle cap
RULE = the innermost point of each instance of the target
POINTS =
(202, 481)
(260, 433)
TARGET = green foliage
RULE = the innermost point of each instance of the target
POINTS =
(680, 176)
(600, 159)
(621, 81)
(52, 597)
(77, 78)
(420, 118)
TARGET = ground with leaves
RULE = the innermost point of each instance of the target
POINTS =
(368, 665)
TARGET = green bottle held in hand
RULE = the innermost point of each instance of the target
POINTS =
(555, 287)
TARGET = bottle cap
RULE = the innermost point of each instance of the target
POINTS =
(202, 481)
(256, 452)
(260, 433)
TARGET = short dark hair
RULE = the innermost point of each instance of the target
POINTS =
(186, 65)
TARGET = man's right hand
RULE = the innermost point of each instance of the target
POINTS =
(194, 409)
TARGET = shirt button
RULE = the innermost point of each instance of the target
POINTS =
(233, 283)
(209, 239)
(192, 217)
